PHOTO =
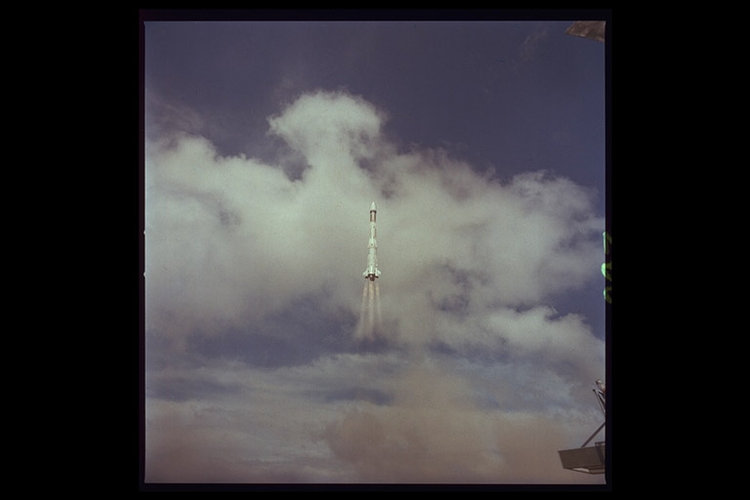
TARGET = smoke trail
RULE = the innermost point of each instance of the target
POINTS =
(371, 308)
(360, 332)
(370, 315)
(377, 305)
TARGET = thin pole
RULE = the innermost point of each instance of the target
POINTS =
(594, 434)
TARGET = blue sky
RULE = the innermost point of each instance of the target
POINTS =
(483, 144)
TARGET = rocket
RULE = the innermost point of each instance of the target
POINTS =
(372, 271)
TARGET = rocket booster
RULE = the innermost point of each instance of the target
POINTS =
(372, 271)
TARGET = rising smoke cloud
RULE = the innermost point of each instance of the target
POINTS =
(231, 238)
(468, 264)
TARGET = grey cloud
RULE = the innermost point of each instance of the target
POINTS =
(176, 388)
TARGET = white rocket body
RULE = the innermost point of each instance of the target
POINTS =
(372, 271)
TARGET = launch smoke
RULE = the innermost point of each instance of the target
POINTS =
(377, 303)
(370, 317)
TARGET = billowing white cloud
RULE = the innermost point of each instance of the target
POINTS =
(468, 264)
(230, 238)
(333, 131)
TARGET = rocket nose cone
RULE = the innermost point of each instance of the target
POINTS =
(373, 206)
